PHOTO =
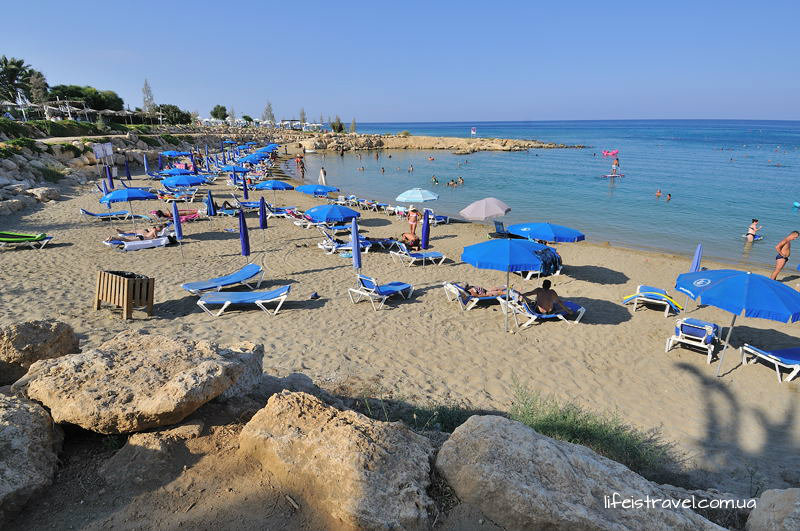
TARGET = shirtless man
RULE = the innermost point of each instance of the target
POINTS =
(547, 299)
(784, 249)
(146, 234)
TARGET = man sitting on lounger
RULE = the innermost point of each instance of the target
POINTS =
(145, 234)
(547, 299)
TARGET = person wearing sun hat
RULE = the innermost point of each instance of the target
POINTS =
(413, 219)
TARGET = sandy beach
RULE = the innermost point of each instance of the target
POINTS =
(732, 429)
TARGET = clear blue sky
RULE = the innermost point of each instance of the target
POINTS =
(426, 61)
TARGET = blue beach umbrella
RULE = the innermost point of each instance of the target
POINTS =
(548, 232)
(223, 156)
(176, 221)
(174, 171)
(356, 245)
(426, 230)
(127, 195)
(416, 195)
(244, 187)
(505, 254)
(332, 213)
(698, 257)
(741, 293)
(144, 161)
(316, 189)
(251, 143)
(273, 185)
(262, 214)
(184, 180)
(229, 141)
(234, 169)
(244, 237)
(208, 164)
(211, 210)
(104, 188)
(127, 170)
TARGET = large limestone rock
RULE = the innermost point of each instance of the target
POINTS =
(523, 480)
(776, 510)
(24, 343)
(29, 443)
(350, 471)
(44, 193)
(132, 382)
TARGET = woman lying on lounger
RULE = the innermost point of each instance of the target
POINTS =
(145, 234)
(411, 241)
(477, 291)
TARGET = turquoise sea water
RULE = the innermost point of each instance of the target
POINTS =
(720, 174)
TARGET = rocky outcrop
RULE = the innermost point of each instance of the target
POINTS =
(350, 471)
(43, 194)
(24, 343)
(29, 443)
(776, 510)
(132, 382)
(523, 480)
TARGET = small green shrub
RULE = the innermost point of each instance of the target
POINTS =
(76, 151)
(65, 127)
(643, 452)
(13, 129)
(170, 139)
(24, 142)
(6, 152)
(114, 126)
(150, 141)
(140, 128)
(403, 133)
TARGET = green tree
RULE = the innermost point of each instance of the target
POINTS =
(232, 114)
(337, 126)
(39, 87)
(148, 101)
(173, 114)
(90, 96)
(14, 78)
(353, 126)
(268, 115)
(219, 112)
(247, 118)
(302, 115)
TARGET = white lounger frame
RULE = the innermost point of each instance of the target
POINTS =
(747, 350)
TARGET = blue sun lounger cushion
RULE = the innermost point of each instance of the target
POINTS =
(368, 287)
(259, 298)
(696, 333)
(787, 358)
(535, 316)
(250, 271)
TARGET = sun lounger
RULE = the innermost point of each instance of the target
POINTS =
(653, 296)
(403, 254)
(259, 298)
(243, 276)
(368, 287)
(161, 241)
(467, 301)
(106, 216)
(34, 241)
(331, 246)
(787, 358)
(695, 333)
(520, 307)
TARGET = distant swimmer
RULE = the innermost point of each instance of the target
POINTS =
(658, 193)
(383, 170)
(784, 249)
(410, 168)
(460, 180)
(669, 196)
(431, 158)
(434, 180)
(615, 166)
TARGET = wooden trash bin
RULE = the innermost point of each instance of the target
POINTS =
(125, 290)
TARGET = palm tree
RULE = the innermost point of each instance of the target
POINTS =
(14, 78)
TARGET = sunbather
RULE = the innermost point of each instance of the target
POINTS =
(547, 299)
(142, 234)
(477, 291)
(411, 241)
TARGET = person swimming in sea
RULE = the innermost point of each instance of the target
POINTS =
(752, 230)
(434, 180)
(669, 196)
(460, 180)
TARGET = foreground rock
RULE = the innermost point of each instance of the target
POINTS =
(351, 471)
(24, 343)
(28, 446)
(777, 510)
(132, 382)
(523, 480)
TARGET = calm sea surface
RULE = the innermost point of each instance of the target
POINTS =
(720, 174)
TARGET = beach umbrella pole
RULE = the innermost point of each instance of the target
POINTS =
(727, 344)
(508, 293)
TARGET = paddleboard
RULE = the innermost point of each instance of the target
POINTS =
(609, 176)
(758, 237)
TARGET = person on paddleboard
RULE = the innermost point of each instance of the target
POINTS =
(615, 166)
